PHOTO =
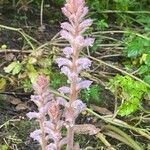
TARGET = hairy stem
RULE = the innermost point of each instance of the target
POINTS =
(43, 142)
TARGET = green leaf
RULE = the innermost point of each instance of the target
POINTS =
(14, 68)
(17, 68)
(4, 147)
(33, 76)
(129, 91)
(143, 69)
(10, 67)
(128, 107)
(2, 84)
(147, 60)
(147, 79)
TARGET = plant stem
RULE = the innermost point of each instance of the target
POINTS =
(41, 13)
(44, 142)
(70, 134)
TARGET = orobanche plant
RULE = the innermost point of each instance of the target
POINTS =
(56, 113)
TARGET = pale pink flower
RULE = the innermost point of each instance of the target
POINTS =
(63, 62)
(51, 146)
(88, 42)
(68, 51)
(62, 101)
(84, 84)
(64, 90)
(66, 71)
(66, 12)
(66, 35)
(67, 26)
(36, 135)
(78, 106)
(83, 63)
(86, 23)
(32, 115)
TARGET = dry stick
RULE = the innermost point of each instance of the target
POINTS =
(129, 12)
(103, 139)
(27, 37)
(123, 134)
(118, 69)
(15, 51)
(118, 137)
(41, 13)
(118, 31)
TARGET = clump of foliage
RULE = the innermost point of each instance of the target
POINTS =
(137, 51)
(129, 91)
(92, 94)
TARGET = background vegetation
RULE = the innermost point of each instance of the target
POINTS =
(119, 99)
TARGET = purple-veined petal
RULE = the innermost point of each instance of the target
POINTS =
(86, 23)
(88, 42)
(32, 115)
(62, 101)
(43, 110)
(85, 11)
(66, 35)
(78, 106)
(79, 40)
(64, 90)
(51, 146)
(66, 71)
(53, 134)
(36, 135)
(66, 12)
(63, 61)
(49, 124)
(36, 99)
(67, 26)
(84, 63)
(54, 111)
(84, 84)
(68, 51)
(63, 141)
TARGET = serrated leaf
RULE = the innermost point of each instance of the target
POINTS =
(128, 107)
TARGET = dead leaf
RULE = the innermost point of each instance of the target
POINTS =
(101, 110)
(21, 106)
(86, 129)
(14, 101)
(9, 57)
